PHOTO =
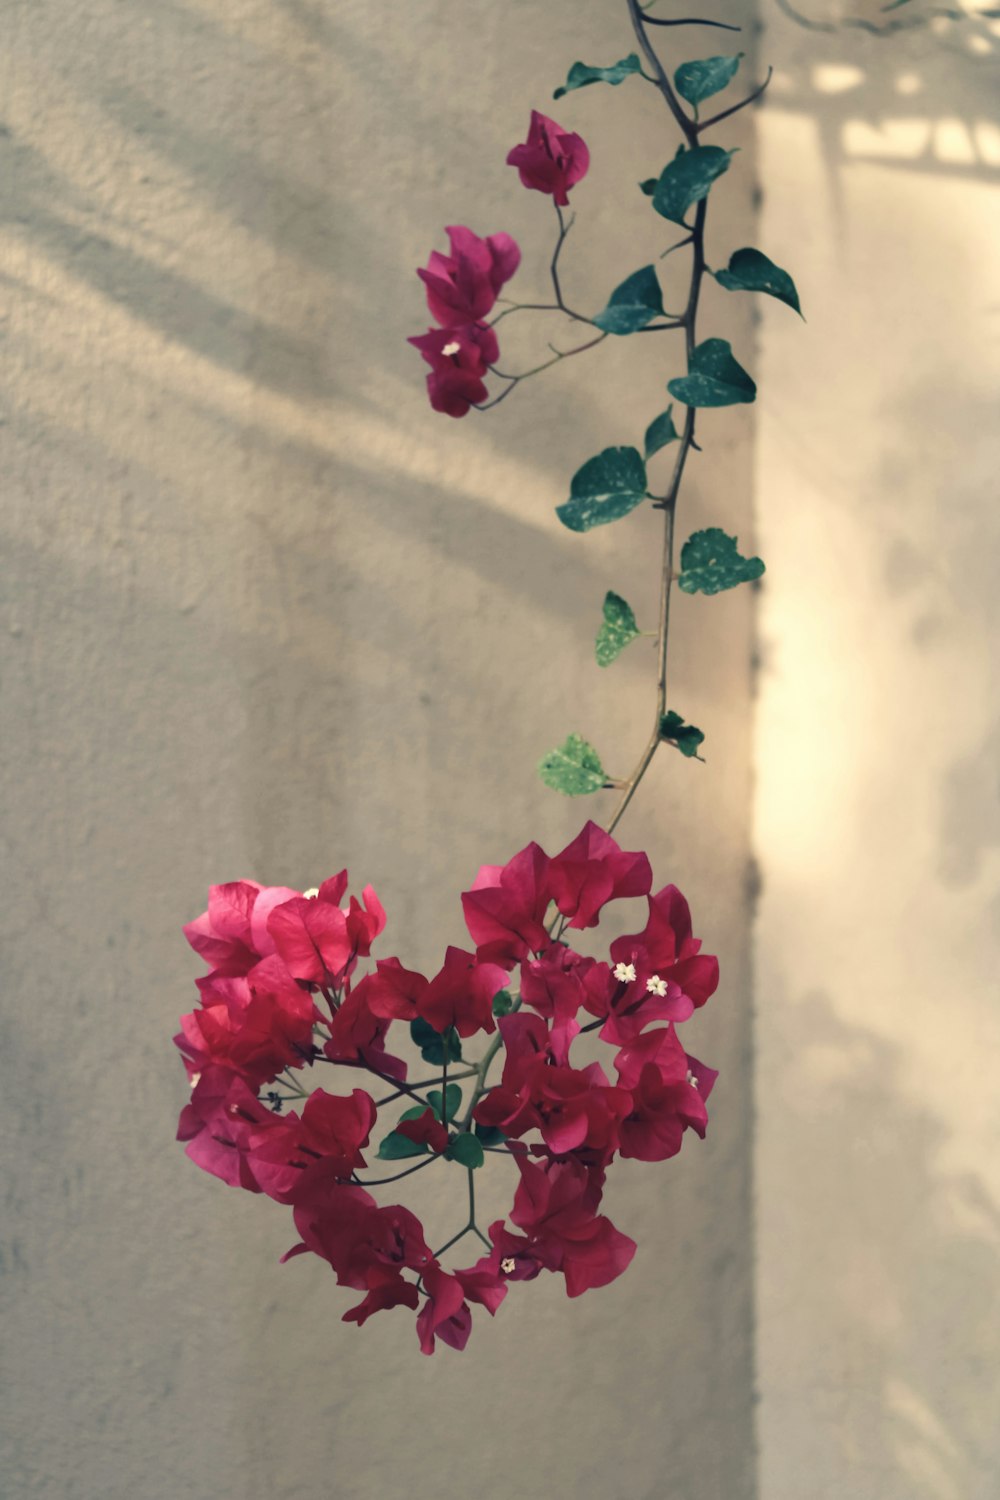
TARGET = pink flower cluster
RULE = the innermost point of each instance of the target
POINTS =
(463, 286)
(283, 994)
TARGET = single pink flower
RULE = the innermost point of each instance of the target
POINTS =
(505, 909)
(462, 287)
(551, 160)
(461, 994)
(445, 1314)
(459, 359)
(592, 870)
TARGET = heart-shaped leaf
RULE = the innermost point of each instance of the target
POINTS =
(573, 768)
(503, 1003)
(433, 1043)
(696, 81)
(750, 271)
(711, 562)
(490, 1135)
(618, 629)
(581, 74)
(714, 378)
(396, 1147)
(633, 304)
(466, 1149)
(606, 488)
(685, 736)
(452, 1101)
(687, 179)
(660, 432)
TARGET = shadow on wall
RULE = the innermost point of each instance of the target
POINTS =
(928, 119)
(920, 1252)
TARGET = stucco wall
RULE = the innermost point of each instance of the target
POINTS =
(877, 826)
(266, 615)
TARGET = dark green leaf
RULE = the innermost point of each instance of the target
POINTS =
(467, 1150)
(649, 186)
(606, 488)
(573, 769)
(687, 179)
(711, 562)
(633, 304)
(685, 736)
(432, 1043)
(490, 1135)
(714, 378)
(696, 81)
(751, 271)
(453, 1101)
(395, 1147)
(660, 432)
(503, 1003)
(618, 629)
(414, 1112)
(580, 75)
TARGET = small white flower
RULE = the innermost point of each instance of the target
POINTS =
(311, 893)
(195, 1079)
(452, 348)
(625, 973)
(692, 1080)
(507, 1265)
(656, 986)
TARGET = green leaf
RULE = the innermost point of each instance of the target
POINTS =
(452, 1102)
(490, 1135)
(433, 1043)
(633, 304)
(714, 378)
(606, 488)
(711, 562)
(649, 186)
(503, 1003)
(687, 179)
(467, 1150)
(660, 432)
(696, 81)
(414, 1112)
(618, 629)
(395, 1147)
(580, 74)
(574, 768)
(751, 271)
(685, 736)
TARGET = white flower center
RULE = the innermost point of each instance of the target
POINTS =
(311, 893)
(452, 348)
(625, 973)
(656, 986)
(507, 1265)
(692, 1080)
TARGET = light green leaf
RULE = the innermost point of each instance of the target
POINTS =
(466, 1149)
(606, 488)
(751, 271)
(580, 74)
(660, 432)
(687, 179)
(453, 1101)
(433, 1043)
(714, 378)
(618, 629)
(574, 768)
(711, 562)
(696, 81)
(633, 304)
(685, 736)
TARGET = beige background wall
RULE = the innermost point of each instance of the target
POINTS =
(265, 614)
(877, 1033)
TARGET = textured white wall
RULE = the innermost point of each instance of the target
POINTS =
(877, 1032)
(265, 614)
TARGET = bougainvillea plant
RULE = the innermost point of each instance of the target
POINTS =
(292, 983)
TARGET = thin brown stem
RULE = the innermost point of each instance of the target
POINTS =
(735, 108)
